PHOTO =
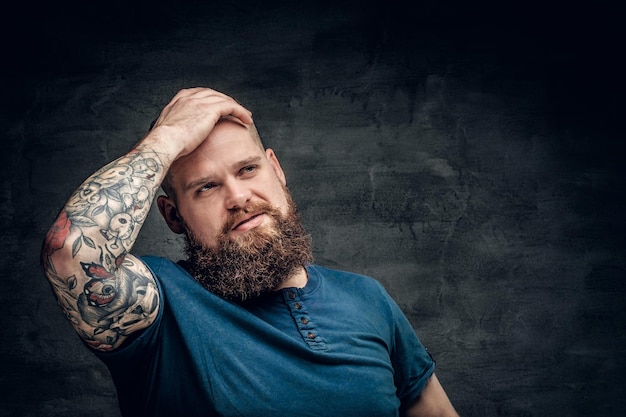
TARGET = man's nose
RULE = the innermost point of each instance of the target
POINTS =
(237, 194)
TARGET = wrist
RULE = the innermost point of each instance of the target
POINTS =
(162, 141)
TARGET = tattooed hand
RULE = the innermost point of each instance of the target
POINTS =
(105, 292)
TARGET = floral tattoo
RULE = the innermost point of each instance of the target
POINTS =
(105, 294)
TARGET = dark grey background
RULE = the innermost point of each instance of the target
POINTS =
(467, 155)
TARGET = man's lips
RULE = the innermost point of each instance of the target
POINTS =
(248, 223)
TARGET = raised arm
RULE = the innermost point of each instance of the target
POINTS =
(105, 292)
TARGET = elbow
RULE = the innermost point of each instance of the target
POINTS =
(56, 240)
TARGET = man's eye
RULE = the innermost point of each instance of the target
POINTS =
(206, 188)
(248, 169)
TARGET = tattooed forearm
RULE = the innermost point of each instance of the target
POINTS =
(105, 293)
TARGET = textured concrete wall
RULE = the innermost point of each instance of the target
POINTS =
(464, 155)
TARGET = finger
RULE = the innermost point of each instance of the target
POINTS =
(199, 92)
(186, 96)
(228, 106)
(242, 114)
(211, 103)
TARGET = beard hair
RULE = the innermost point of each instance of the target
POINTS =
(255, 263)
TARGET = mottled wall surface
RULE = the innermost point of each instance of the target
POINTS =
(464, 155)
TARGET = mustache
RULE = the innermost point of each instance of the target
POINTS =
(237, 216)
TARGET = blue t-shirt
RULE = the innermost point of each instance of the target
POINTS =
(340, 346)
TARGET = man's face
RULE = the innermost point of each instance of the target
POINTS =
(244, 237)
(224, 182)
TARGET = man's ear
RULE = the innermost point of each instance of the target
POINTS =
(168, 210)
(271, 156)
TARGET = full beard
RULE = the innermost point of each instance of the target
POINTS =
(255, 263)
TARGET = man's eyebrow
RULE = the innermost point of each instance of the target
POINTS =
(247, 161)
(206, 179)
(196, 183)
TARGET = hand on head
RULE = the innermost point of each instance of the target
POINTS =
(190, 116)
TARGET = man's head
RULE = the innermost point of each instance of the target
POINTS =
(229, 197)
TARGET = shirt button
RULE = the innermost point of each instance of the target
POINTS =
(311, 335)
(297, 306)
(304, 320)
(292, 294)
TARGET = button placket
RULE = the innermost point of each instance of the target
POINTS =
(302, 319)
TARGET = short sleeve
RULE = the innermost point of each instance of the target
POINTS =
(413, 364)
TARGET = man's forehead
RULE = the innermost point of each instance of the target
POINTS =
(208, 160)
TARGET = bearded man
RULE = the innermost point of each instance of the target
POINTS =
(247, 325)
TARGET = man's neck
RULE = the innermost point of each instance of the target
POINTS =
(297, 280)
